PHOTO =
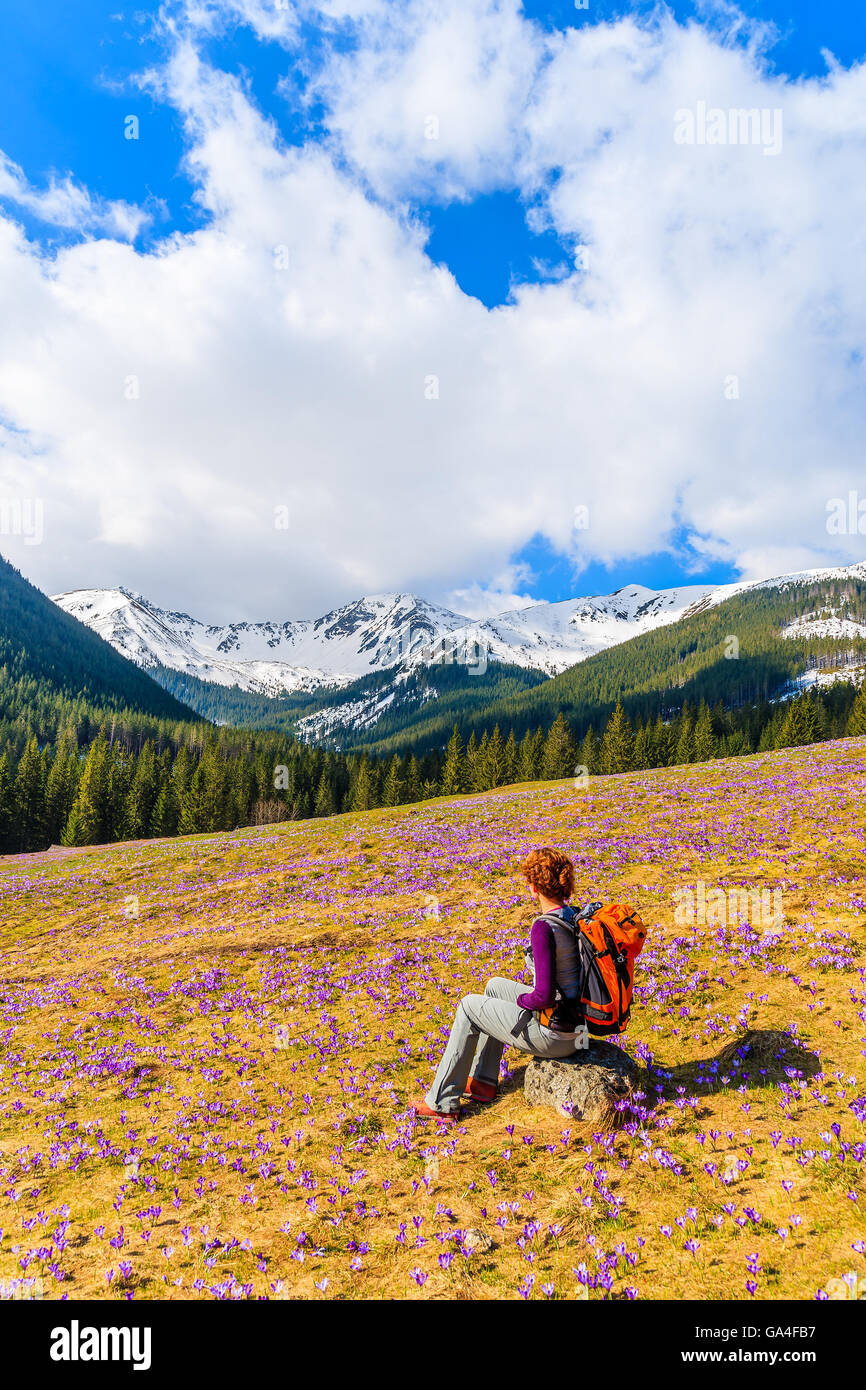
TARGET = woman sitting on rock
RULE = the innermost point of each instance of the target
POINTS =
(506, 1014)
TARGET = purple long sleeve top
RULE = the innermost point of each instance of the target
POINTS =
(543, 944)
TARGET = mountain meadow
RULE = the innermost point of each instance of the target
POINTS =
(208, 1046)
(93, 750)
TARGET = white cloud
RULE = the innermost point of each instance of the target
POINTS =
(505, 592)
(302, 351)
(63, 203)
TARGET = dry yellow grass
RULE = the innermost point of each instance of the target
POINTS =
(211, 1044)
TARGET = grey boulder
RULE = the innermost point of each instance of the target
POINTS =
(586, 1086)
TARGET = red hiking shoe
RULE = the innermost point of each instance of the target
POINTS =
(485, 1091)
(426, 1112)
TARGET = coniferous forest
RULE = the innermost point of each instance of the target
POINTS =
(92, 750)
(117, 779)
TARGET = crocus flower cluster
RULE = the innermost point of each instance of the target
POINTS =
(208, 1049)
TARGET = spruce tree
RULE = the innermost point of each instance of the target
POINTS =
(193, 819)
(662, 749)
(643, 754)
(705, 741)
(471, 761)
(814, 719)
(412, 774)
(324, 796)
(857, 718)
(617, 746)
(481, 766)
(141, 797)
(7, 804)
(88, 819)
(526, 767)
(363, 792)
(495, 772)
(510, 767)
(454, 772)
(30, 798)
(392, 792)
(59, 795)
(559, 759)
(685, 746)
(589, 752)
(164, 818)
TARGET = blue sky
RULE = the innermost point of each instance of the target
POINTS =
(66, 94)
(70, 85)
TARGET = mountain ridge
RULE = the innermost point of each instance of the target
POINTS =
(395, 631)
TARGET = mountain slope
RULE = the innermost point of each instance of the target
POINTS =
(43, 647)
(750, 646)
(554, 636)
(268, 658)
(386, 655)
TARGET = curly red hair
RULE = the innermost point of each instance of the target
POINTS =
(549, 872)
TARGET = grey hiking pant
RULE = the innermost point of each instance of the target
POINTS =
(481, 1029)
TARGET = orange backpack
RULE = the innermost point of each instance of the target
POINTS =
(609, 937)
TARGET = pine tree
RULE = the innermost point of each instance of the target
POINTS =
(705, 740)
(30, 798)
(165, 815)
(685, 746)
(643, 753)
(481, 766)
(589, 752)
(324, 796)
(617, 746)
(141, 797)
(454, 772)
(510, 768)
(412, 774)
(495, 771)
(87, 824)
(559, 759)
(392, 792)
(7, 803)
(363, 792)
(857, 719)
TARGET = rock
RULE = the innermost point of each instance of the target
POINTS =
(585, 1086)
(766, 1055)
(477, 1242)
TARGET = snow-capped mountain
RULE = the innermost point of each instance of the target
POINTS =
(553, 636)
(397, 632)
(270, 658)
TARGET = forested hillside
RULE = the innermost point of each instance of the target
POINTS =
(455, 691)
(92, 751)
(50, 654)
(732, 654)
